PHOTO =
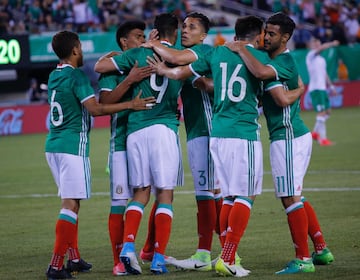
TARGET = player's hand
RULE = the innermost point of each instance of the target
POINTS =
(137, 74)
(336, 43)
(146, 103)
(332, 90)
(236, 46)
(154, 35)
(111, 54)
(156, 64)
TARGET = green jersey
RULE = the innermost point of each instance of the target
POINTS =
(197, 105)
(118, 122)
(166, 92)
(283, 122)
(70, 122)
(235, 93)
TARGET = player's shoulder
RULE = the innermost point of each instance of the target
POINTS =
(286, 59)
(202, 47)
(78, 74)
(259, 54)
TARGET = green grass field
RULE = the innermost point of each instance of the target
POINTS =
(29, 208)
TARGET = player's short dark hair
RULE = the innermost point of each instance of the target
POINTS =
(204, 20)
(64, 42)
(247, 27)
(286, 24)
(126, 27)
(166, 24)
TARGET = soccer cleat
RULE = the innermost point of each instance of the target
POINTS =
(315, 136)
(158, 264)
(225, 269)
(323, 258)
(119, 269)
(128, 258)
(80, 266)
(214, 261)
(237, 260)
(297, 266)
(146, 256)
(325, 142)
(200, 261)
(52, 273)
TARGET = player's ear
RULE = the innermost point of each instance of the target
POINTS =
(286, 37)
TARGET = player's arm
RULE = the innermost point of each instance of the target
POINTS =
(175, 73)
(327, 45)
(285, 98)
(105, 63)
(204, 84)
(259, 70)
(97, 109)
(135, 75)
(173, 56)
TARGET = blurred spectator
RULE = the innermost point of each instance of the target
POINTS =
(279, 6)
(321, 32)
(219, 39)
(82, 15)
(35, 15)
(36, 93)
(308, 11)
(351, 22)
(222, 22)
(301, 36)
(5, 16)
(343, 73)
(63, 12)
(338, 33)
(332, 10)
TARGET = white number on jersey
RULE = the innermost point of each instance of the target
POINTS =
(56, 105)
(160, 88)
(227, 89)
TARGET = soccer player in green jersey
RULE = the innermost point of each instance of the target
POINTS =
(291, 145)
(113, 86)
(235, 140)
(72, 102)
(154, 158)
(197, 112)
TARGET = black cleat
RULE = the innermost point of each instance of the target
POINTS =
(52, 273)
(80, 266)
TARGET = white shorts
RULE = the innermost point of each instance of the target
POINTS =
(238, 166)
(154, 158)
(72, 175)
(201, 163)
(119, 186)
(289, 161)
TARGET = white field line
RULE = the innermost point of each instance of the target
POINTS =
(177, 191)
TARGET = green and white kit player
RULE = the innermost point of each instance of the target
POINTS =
(72, 102)
(154, 156)
(197, 113)
(235, 139)
(291, 144)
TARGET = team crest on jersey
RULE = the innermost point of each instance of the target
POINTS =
(119, 189)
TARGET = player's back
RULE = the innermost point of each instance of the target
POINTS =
(235, 95)
(166, 92)
(69, 120)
